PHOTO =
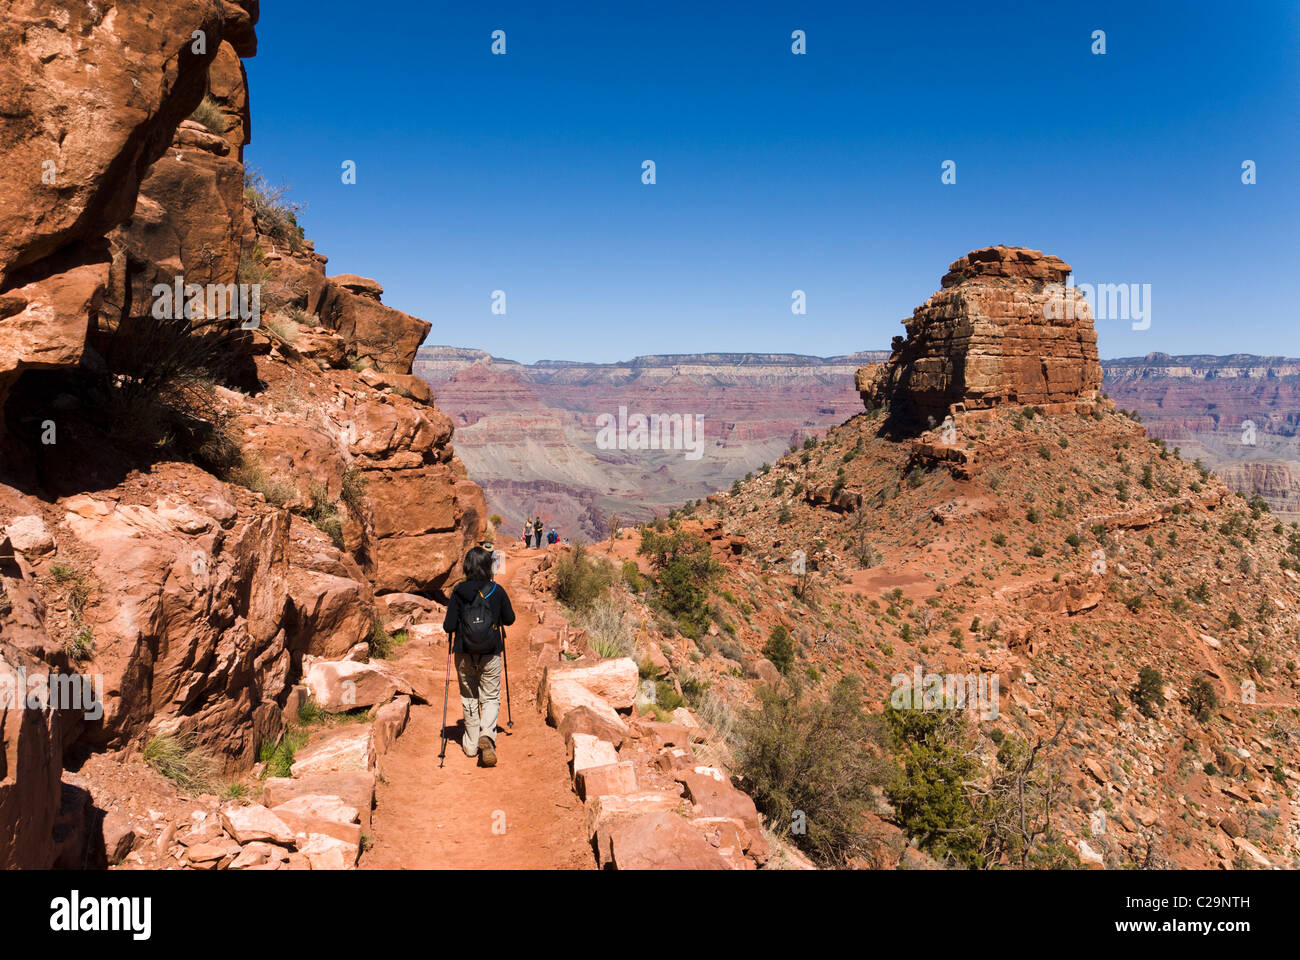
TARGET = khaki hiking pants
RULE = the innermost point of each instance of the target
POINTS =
(479, 677)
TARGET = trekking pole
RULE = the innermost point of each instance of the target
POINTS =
(505, 666)
(446, 687)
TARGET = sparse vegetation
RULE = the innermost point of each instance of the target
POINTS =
(811, 767)
(581, 578)
(177, 758)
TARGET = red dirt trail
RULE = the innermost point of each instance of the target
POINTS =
(521, 814)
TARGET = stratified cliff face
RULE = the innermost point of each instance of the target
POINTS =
(1238, 414)
(527, 432)
(189, 542)
(1001, 330)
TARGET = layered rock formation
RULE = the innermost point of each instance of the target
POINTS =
(527, 431)
(1239, 415)
(194, 546)
(1003, 329)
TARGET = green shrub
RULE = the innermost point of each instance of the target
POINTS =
(1202, 700)
(666, 695)
(278, 755)
(632, 576)
(780, 648)
(1149, 692)
(685, 568)
(811, 767)
(581, 578)
(929, 797)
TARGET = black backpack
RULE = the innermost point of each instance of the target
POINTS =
(478, 627)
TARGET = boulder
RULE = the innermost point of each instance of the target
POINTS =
(712, 795)
(341, 685)
(601, 809)
(587, 751)
(325, 852)
(616, 681)
(252, 822)
(390, 722)
(315, 814)
(658, 841)
(341, 751)
(618, 779)
(330, 614)
(559, 697)
(354, 788)
(598, 724)
(30, 536)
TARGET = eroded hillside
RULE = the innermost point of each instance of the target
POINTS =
(1141, 620)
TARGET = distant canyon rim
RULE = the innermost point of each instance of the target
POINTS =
(528, 432)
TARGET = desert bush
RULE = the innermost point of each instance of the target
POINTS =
(780, 648)
(286, 332)
(1202, 700)
(581, 578)
(929, 796)
(274, 215)
(382, 643)
(251, 474)
(81, 645)
(632, 576)
(324, 515)
(1149, 691)
(608, 630)
(811, 766)
(685, 568)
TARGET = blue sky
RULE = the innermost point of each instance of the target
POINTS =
(778, 172)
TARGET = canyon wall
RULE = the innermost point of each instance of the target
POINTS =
(1238, 414)
(528, 432)
(192, 501)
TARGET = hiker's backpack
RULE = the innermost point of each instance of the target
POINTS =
(478, 628)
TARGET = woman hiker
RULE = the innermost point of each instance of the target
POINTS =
(478, 609)
(528, 531)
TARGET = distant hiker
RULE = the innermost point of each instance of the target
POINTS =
(528, 531)
(478, 609)
(552, 537)
(537, 531)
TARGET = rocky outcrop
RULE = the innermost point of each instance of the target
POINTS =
(201, 594)
(377, 335)
(1003, 329)
(1277, 481)
(96, 95)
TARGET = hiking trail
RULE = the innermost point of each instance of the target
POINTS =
(521, 814)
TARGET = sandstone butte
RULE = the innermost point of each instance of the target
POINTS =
(990, 336)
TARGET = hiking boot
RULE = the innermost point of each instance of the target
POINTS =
(487, 754)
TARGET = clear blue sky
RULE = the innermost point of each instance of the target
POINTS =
(779, 172)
